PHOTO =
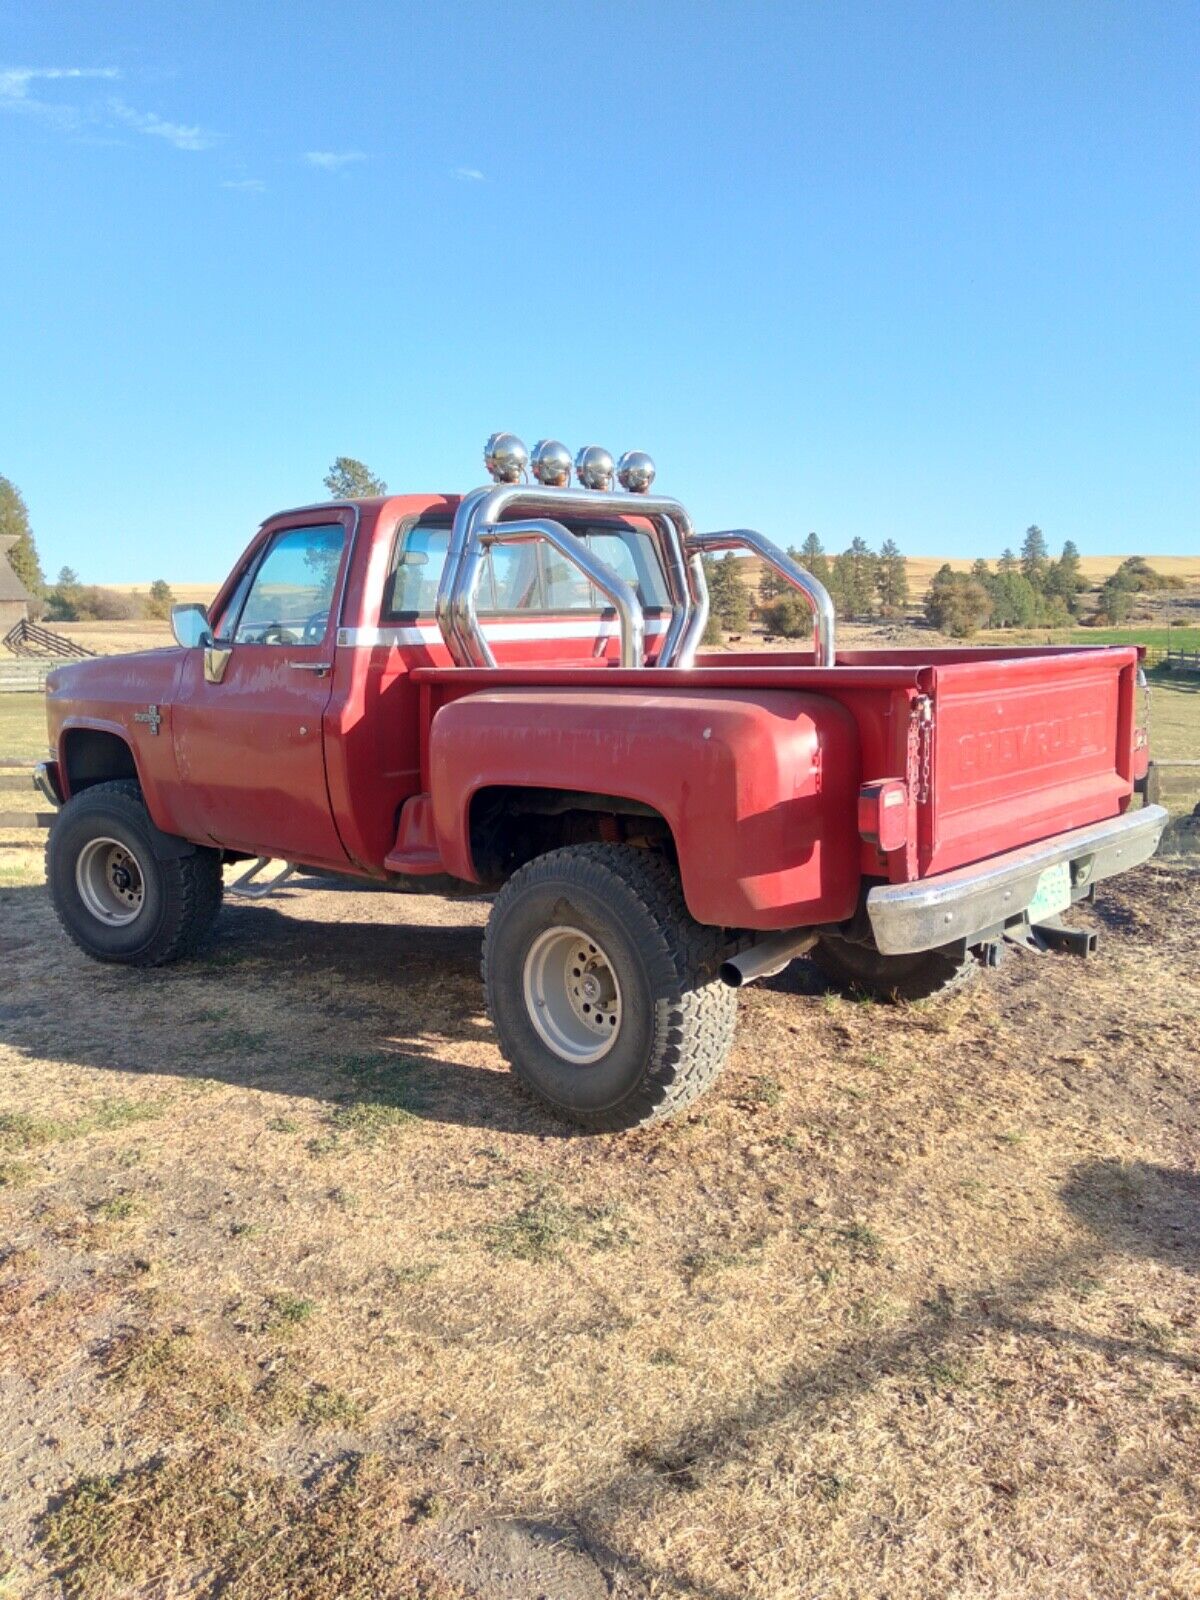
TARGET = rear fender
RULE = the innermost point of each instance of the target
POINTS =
(759, 788)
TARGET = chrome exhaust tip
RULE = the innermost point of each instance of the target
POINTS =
(765, 957)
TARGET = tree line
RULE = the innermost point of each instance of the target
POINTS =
(1033, 590)
(1029, 590)
(861, 582)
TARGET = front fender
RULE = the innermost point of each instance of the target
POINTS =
(758, 787)
(116, 695)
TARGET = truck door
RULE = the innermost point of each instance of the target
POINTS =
(250, 748)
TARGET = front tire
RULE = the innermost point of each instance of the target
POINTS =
(603, 990)
(115, 897)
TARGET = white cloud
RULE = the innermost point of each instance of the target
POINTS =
(469, 175)
(333, 160)
(183, 136)
(15, 95)
(15, 81)
(246, 185)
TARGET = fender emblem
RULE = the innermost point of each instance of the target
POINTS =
(152, 716)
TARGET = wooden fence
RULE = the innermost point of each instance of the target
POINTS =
(20, 676)
(29, 640)
(17, 778)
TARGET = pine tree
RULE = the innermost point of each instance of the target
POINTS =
(1064, 582)
(728, 597)
(1007, 561)
(854, 579)
(14, 524)
(63, 600)
(348, 479)
(811, 556)
(891, 579)
(1069, 566)
(1034, 562)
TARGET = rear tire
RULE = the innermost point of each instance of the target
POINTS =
(603, 990)
(114, 896)
(923, 975)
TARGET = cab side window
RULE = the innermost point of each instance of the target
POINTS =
(531, 577)
(412, 584)
(291, 595)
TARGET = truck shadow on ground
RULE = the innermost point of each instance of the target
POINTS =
(383, 979)
(251, 1008)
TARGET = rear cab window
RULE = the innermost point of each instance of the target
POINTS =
(524, 579)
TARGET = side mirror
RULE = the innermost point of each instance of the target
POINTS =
(190, 626)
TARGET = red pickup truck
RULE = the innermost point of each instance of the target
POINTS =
(504, 693)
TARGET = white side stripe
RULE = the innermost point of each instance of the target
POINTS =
(501, 632)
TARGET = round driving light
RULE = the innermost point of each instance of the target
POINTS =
(635, 472)
(552, 464)
(505, 457)
(594, 467)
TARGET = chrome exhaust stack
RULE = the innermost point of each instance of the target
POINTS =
(766, 956)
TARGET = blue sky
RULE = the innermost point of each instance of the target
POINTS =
(926, 272)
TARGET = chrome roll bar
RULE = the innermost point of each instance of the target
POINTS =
(477, 525)
(484, 508)
(815, 592)
(597, 572)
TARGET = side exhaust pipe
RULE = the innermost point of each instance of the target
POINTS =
(767, 956)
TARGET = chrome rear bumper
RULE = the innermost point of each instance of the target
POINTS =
(977, 899)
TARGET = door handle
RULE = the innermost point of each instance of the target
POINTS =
(319, 667)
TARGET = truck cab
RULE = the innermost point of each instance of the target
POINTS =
(505, 692)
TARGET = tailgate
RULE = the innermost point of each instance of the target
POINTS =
(1023, 748)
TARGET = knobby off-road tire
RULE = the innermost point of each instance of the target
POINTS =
(115, 897)
(655, 970)
(923, 975)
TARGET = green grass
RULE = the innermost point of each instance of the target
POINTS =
(1153, 638)
(1175, 721)
(286, 1311)
(22, 727)
(21, 1132)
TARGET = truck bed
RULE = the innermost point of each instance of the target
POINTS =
(999, 747)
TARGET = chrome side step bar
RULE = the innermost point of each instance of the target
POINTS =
(246, 888)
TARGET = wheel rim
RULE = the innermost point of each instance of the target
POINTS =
(110, 882)
(572, 995)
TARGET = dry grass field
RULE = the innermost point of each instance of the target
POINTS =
(301, 1300)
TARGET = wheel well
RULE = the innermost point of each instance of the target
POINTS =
(511, 824)
(91, 756)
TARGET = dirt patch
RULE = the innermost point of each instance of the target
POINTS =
(908, 1305)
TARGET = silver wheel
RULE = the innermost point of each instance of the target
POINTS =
(110, 882)
(572, 995)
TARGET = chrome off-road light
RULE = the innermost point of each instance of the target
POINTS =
(552, 464)
(505, 457)
(635, 472)
(594, 467)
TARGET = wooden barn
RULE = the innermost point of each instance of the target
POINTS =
(14, 597)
